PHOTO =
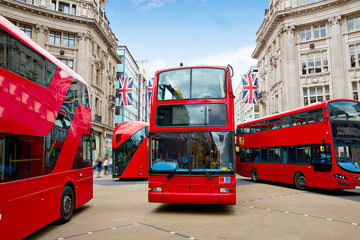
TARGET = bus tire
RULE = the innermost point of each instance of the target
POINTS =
(254, 175)
(300, 181)
(67, 205)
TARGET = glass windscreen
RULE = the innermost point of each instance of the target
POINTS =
(191, 115)
(345, 126)
(192, 83)
(124, 153)
(195, 152)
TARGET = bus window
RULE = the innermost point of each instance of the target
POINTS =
(316, 115)
(274, 155)
(208, 83)
(264, 126)
(285, 121)
(298, 119)
(242, 155)
(247, 155)
(255, 127)
(174, 85)
(274, 123)
(255, 155)
(284, 154)
(292, 155)
(264, 157)
(303, 155)
(246, 129)
(321, 158)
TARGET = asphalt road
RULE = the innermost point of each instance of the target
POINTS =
(264, 210)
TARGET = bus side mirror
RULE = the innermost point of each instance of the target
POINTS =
(326, 119)
(93, 144)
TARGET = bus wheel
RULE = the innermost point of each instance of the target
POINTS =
(254, 175)
(67, 204)
(300, 181)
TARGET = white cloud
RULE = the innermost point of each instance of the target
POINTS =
(240, 59)
(150, 4)
(153, 65)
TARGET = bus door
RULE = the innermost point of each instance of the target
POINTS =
(321, 165)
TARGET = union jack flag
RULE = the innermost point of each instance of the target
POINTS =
(150, 88)
(125, 91)
(207, 138)
(181, 137)
(250, 86)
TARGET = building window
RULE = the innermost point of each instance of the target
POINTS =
(354, 23)
(313, 32)
(305, 2)
(58, 38)
(355, 88)
(27, 1)
(69, 40)
(314, 63)
(354, 55)
(64, 7)
(68, 62)
(319, 31)
(305, 34)
(55, 38)
(316, 94)
(53, 5)
(26, 29)
(73, 9)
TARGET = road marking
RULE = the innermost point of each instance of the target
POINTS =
(128, 225)
(301, 214)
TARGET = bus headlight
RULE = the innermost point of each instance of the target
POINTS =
(224, 190)
(157, 189)
(339, 176)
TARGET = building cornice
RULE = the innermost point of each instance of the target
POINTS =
(269, 25)
(109, 39)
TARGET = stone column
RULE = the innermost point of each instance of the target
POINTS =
(289, 69)
(337, 62)
(41, 36)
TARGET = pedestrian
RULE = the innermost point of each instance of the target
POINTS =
(106, 165)
(98, 166)
(110, 164)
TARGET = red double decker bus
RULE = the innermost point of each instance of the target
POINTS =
(313, 146)
(45, 138)
(191, 137)
(130, 150)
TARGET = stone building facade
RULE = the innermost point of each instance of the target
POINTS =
(308, 51)
(77, 32)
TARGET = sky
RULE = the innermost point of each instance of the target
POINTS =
(194, 32)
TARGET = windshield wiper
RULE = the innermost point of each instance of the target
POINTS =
(206, 172)
(171, 174)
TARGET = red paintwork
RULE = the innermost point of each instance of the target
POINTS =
(314, 133)
(138, 167)
(202, 189)
(27, 108)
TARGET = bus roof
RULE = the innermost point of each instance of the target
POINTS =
(11, 28)
(186, 67)
(125, 130)
(292, 111)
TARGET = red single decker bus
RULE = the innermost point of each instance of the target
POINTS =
(313, 146)
(45, 138)
(130, 150)
(191, 137)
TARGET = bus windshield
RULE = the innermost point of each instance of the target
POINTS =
(192, 152)
(345, 125)
(192, 83)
